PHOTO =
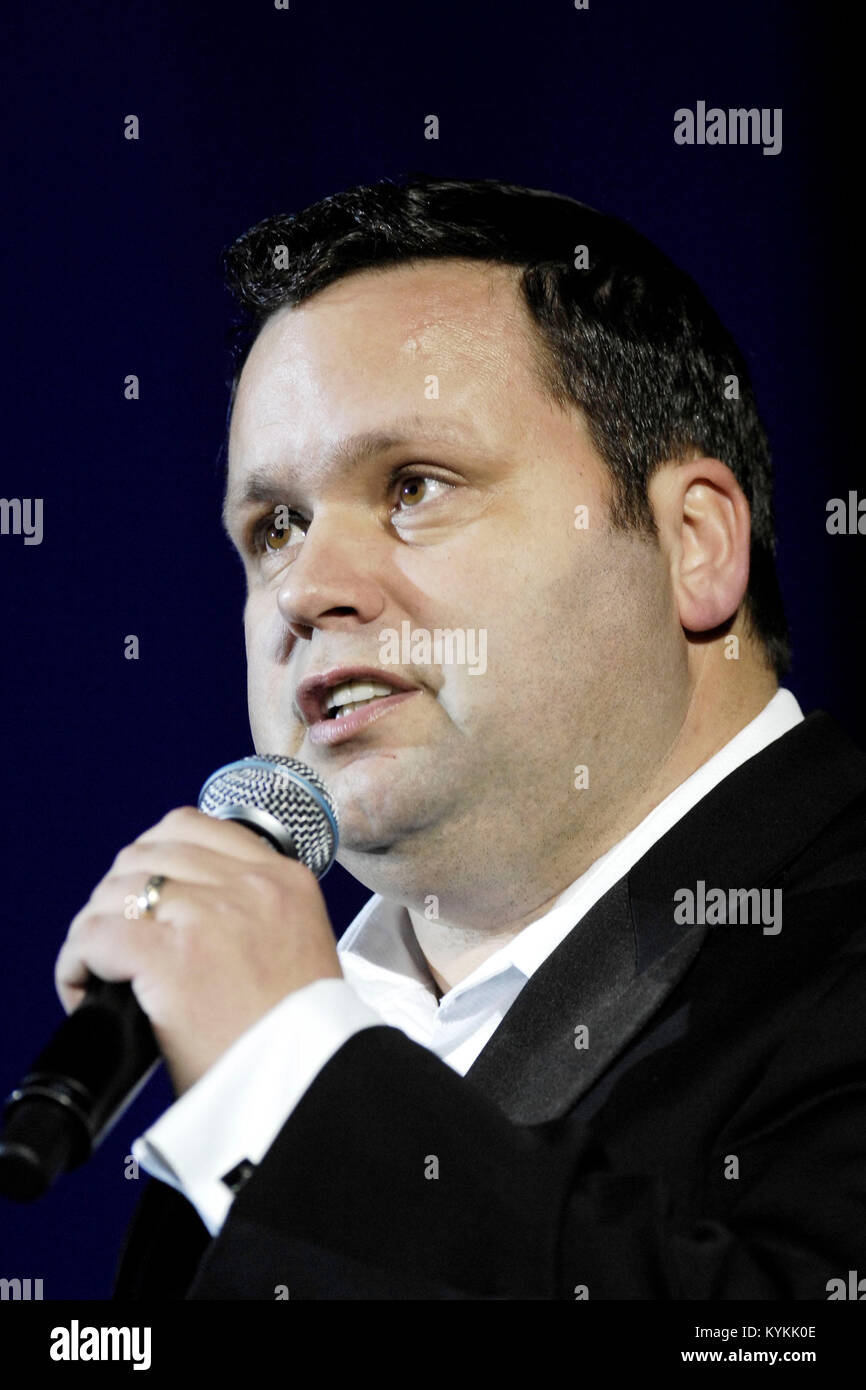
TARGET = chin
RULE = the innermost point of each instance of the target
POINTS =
(385, 797)
(367, 830)
(375, 822)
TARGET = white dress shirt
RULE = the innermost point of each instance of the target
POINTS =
(237, 1108)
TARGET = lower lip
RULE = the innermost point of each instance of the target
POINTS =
(330, 731)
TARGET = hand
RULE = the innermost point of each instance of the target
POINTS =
(237, 928)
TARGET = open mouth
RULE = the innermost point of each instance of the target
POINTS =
(351, 695)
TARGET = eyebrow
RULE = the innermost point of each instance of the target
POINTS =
(263, 485)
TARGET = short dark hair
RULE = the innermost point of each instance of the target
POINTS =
(627, 337)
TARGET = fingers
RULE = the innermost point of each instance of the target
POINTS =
(234, 928)
(186, 825)
(112, 948)
(215, 872)
(105, 941)
(179, 861)
(185, 845)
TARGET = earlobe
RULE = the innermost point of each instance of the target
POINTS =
(704, 522)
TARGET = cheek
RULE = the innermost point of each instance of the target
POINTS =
(262, 666)
(264, 632)
(253, 643)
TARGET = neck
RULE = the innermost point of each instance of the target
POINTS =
(453, 950)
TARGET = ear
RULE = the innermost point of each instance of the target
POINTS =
(704, 527)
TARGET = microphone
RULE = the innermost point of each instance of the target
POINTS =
(105, 1051)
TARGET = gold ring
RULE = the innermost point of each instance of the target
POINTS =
(149, 899)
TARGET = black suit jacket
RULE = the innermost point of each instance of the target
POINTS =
(708, 1143)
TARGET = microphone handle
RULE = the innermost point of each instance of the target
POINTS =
(92, 1069)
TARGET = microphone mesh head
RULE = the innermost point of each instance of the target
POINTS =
(282, 798)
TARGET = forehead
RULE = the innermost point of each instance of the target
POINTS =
(414, 336)
(415, 307)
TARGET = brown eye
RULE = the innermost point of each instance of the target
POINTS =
(281, 528)
(412, 491)
(418, 488)
(276, 537)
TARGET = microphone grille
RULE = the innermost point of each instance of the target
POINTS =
(283, 799)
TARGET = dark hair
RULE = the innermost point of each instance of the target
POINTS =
(628, 338)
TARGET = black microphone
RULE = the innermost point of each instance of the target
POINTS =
(105, 1050)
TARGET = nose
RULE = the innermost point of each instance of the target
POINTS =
(332, 582)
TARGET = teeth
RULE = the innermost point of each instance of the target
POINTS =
(351, 694)
(353, 704)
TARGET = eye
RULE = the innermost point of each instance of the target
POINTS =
(279, 529)
(415, 489)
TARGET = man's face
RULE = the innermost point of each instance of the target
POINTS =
(399, 414)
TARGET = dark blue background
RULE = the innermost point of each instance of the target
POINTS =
(114, 249)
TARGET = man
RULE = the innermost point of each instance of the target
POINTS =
(600, 1033)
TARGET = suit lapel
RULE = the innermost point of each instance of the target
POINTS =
(536, 1066)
